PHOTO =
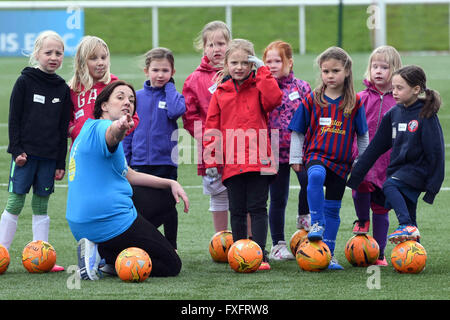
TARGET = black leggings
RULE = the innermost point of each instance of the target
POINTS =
(248, 193)
(159, 207)
(144, 235)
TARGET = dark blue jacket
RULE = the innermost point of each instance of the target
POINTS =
(39, 116)
(418, 150)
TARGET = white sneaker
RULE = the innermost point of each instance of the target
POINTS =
(280, 252)
(88, 260)
(304, 221)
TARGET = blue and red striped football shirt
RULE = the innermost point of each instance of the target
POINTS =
(329, 134)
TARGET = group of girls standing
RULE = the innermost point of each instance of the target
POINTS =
(253, 121)
(322, 134)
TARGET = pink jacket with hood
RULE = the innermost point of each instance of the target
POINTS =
(197, 91)
(376, 105)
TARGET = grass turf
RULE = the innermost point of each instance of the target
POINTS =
(202, 279)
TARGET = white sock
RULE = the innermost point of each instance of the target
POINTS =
(8, 227)
(41, 225)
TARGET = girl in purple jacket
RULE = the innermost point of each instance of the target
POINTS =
(152, 147)
(377, 99)
(278, 57)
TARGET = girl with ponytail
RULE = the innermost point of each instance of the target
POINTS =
(412, 129)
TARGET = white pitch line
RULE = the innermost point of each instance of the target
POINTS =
(66, 186)
(197, 187)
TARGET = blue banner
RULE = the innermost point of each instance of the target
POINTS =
(19, 29)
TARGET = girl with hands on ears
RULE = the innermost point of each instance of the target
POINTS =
(258, 63)
(240, 106)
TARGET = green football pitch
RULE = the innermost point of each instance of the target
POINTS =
(202, 279)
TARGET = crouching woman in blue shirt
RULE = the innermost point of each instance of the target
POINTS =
(100, 210)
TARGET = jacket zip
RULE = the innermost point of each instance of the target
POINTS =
(379, 111)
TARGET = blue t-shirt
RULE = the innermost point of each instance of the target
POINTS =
(99, 204)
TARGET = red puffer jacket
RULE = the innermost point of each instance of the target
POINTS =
(236, 131)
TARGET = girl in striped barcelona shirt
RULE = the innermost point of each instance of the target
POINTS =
(326, 123)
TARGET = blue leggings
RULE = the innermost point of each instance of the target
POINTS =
(325, 208)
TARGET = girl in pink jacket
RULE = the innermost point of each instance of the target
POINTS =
(377, 99)
(197, 91)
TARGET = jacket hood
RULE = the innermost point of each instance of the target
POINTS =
(39, 75)
(284, 81)
(229, 84)
(418, 104)
(148, 86)
(372, 87)
(205, 66)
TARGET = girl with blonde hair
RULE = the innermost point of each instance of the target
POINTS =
(38, 120)
(91, 74)
(377, 99)
(198, 89)
(240, 106)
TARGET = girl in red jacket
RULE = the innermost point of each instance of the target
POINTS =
(197, 91)
(91, 75)
(236, 136)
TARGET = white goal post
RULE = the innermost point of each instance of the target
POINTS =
(376, 10)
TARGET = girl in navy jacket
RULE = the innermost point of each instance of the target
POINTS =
(38, 120)
(413, 131)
